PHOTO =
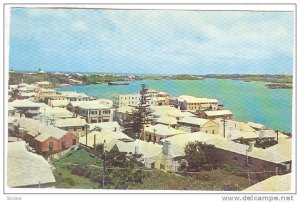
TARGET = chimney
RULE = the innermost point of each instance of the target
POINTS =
(166, 147)
(277, 135)
(251, 145)
(136, 149)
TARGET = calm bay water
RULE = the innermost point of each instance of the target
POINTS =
(249, 101)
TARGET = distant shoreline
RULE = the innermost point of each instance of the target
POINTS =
(281, 81)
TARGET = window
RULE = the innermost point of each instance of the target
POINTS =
(74, 142)
(106, 112)
(235, 158)
(213, 132)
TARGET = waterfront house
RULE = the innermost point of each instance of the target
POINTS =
(26, 169)
(215, 114)
(191, 103)
(193, 124)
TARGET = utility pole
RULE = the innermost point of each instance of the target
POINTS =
(86, 134)
(224, 125)
(104, 162)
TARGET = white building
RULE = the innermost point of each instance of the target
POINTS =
(95, 112)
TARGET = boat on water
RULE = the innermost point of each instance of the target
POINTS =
(117, 83)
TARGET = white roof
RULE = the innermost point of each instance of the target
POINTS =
(39, 131)
(125, 109)
(44, 90)
(25, 168)
(59, 103)
(106, 126)
(278, 183)
(11, 108)
(68, 122)
(57, 112)
(147, 149)
(218, 112)
(234, 125)
(192, 99)
(90, 104)
(105, 101)
(30, 94)
(43, 82)
(256, 125)
(24, 103)
(194, 121)
(12, 120)
(167, 120)
(273, 154)
(162, 130)
(109, 137)
(74, 94)
(166, 110)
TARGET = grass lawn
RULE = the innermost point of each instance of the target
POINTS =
(214, 181)
(64, 178)
(79, 157)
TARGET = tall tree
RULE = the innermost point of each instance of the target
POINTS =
(141, 115)
(200, 156)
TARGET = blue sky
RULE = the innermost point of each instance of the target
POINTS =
(151, 41)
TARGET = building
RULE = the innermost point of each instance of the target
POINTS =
(76, 126)
(126, 100)
(74, 96)
(215, 114)
(167, 120)
(59, 103)
(150, 152)
(193, 104)
(43, 84)
(25, 95)
(26, 169)
(93, 111)
(56, 113)
(110, 138)
(155, 99)
(193, 124)
(257, 126)
(43, 137)
(276, 158)
(26, 107)
(155, 133)
(11, 111)
(44, 94)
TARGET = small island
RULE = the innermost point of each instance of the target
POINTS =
(279, 86)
